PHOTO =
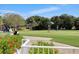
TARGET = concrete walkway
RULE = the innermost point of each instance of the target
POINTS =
(61, 51)
(66, 51)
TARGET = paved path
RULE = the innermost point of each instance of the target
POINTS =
(66, 51)
(61, 51)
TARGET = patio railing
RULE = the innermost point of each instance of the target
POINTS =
(25, 49)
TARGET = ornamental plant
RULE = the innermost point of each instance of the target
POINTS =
(9, 43)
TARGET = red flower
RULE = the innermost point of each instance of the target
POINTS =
(11, 45)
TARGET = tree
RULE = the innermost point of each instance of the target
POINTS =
(37, 22)
(56, 21)
(76, 23)
(14, 20)
(64, 21)
(32, 21)
(1, 22)
(67, 21)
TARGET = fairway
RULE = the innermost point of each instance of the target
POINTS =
(70, 37)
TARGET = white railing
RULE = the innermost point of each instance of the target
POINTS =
(25, 48)
(60, 50)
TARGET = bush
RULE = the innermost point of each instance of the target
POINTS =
(9, 43)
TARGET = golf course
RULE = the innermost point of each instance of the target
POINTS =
(70, 37)
(39, 22)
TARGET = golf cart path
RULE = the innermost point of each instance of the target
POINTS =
(44, 38)
(64, 51)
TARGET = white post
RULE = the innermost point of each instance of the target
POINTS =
(24, 50)
(17, 51)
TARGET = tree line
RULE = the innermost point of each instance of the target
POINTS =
(62, 22)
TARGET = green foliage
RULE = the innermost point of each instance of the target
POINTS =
(9, 43)
(13, 19)
(1, 22)
(63, 21)
(37, 22)
(76, 23)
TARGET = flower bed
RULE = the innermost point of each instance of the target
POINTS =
(40, 43)
(9, 43)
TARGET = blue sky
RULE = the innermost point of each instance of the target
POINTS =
(46, 10)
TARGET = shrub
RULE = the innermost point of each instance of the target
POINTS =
(9, 43)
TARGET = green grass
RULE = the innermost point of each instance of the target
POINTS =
(70, 37)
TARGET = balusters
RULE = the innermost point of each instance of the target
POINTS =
(48, 51)
(43, 50)
(38, 51)
(53, 51)
(32, 50)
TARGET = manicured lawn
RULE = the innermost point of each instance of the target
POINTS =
(70, 37)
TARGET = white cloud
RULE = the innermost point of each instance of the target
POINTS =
(8, 11)
(2, 12)
(44, 10)
(34, 12)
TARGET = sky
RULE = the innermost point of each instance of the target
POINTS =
(46, 10)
